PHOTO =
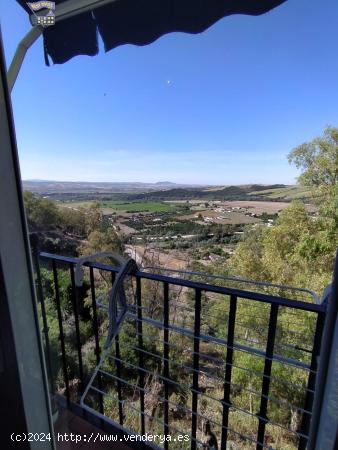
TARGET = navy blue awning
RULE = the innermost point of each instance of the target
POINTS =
(138, 22)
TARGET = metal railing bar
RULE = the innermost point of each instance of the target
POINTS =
(283, 301)
(266, 376)
(119, 388)
(77, 326)
(238, 279)
(243, 436)
(269, 398)
(166, 360)
(145, 391)
(190, 411)
(61, 335)
(242, 324)
(45, 328)
(183, 366)
(140, 344)
(259, 327)
(265, 298)
(221, 380)
(218, 341)
(280, 345)
(96, 331)
(118, 367)
(195, 375)
(228, 369)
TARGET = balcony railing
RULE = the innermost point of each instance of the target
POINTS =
(202, 360)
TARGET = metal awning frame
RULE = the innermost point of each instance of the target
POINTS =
(63, 11)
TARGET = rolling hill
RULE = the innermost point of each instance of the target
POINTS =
(164, 191)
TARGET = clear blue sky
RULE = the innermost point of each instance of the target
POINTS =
(241, 96)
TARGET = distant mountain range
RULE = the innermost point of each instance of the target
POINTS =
(162, 191)
(50, 187)
(241, 192)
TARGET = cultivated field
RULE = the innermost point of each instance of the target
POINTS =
(259, 207)
(144, 206)
(110, 207)
(223, 218)
(287, 193)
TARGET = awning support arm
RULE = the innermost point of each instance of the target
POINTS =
(63, 11)
(13, 71)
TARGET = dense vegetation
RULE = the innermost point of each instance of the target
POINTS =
(68, 230)
(299, 249)
(187, 227)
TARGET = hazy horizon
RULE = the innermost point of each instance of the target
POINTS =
(159, 182)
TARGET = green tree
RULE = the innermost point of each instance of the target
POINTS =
(300, 248)
(318, 160)
(247, 259)
(94, 217)
(101, 241)
(41, 212)
(73, 220)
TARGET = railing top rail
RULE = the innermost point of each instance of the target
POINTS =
(238, 280)
(265, 298)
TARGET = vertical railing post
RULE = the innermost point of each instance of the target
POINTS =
(196, 355)
(96, 334)
(74, 297)
(118, 373)
(228, 370)
(262, 414)
(140, 345)
(166, 360)
(45, 329)
(118, 369)
(61, 333)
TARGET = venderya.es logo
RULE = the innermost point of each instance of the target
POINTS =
(43, 13)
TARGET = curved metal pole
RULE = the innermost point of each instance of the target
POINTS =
(63, 11)
(79, 273)
(33, 34)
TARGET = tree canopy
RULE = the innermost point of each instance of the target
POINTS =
(300, 248)
(318, 160)
(84, 223)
